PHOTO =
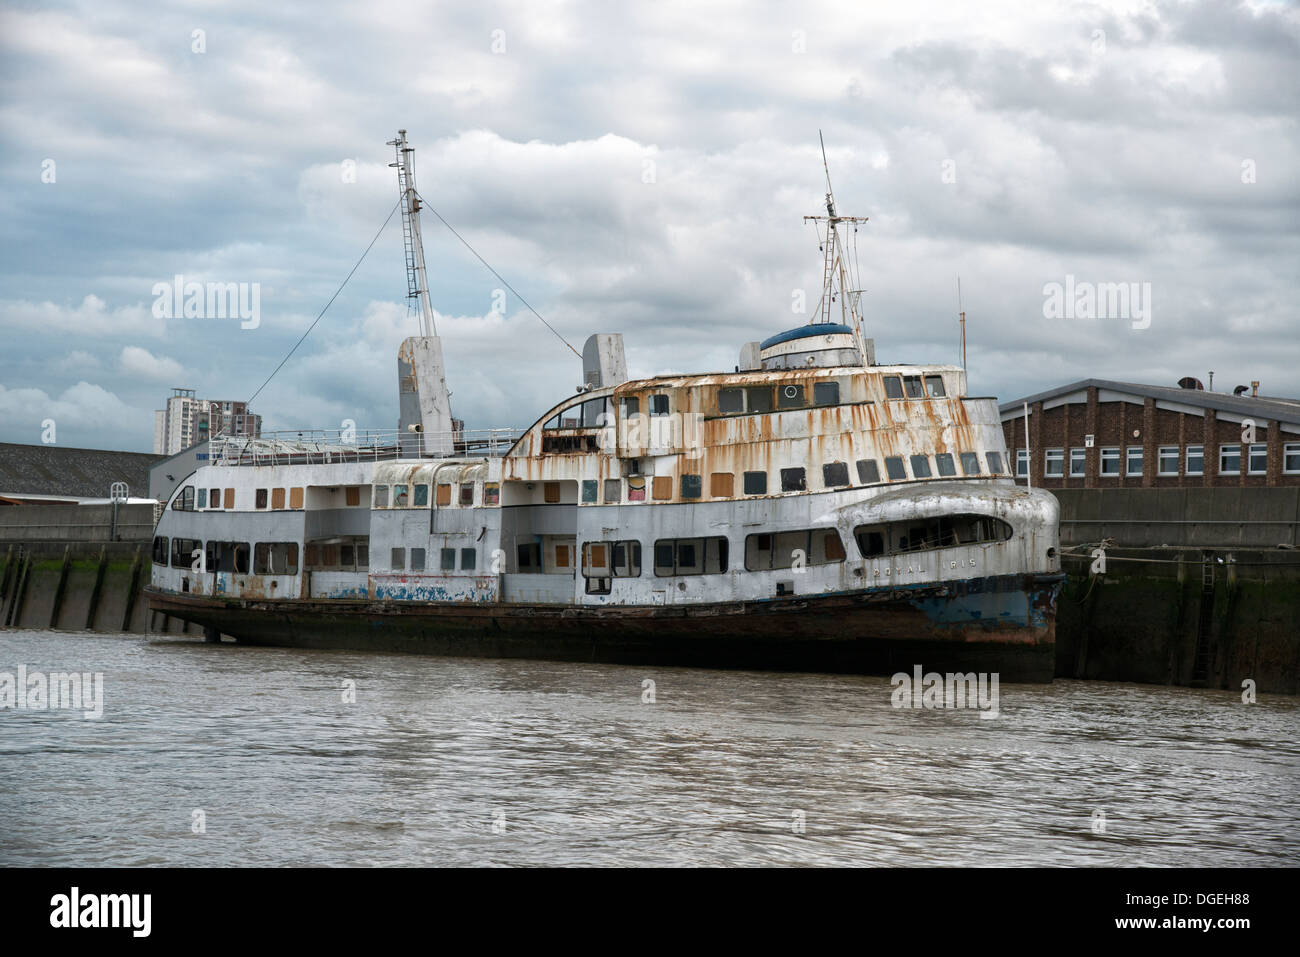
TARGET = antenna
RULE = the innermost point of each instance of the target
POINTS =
(834, 265)
(417, 284)
(962, 313)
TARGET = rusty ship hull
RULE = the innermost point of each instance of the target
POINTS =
(999, 624)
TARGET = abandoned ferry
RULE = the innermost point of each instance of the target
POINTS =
(812, 510)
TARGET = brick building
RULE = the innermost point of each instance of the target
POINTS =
(1102, 434)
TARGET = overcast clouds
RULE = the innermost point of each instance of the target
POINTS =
(1115, 142)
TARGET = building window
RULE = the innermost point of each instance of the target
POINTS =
(1054, 463)
(398, 560)
(921, 466)
(721, 484)
(1167, 460)
(1133, 461)
(690, 556)
(1230, 460)
(868, 472)
(1022, 463)
(995, 462)
(755, 483)
(970, 463)
(945, 464)
(447, 559)
(1258, 460)
(1078, 463)
(1291, 458)
(835, 474)
(792, 480)
(1195, 460)
(1110, 461)
(894, 468)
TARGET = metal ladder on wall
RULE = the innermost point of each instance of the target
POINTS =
(1205, 623)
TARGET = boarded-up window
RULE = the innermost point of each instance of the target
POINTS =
(551, 492)
(613, 491)
(561, 556)
(398, 562)
(381, 496)
(792, 480)
(295, 497)
(721, 484)
(351, 495)
(230, 498)
(277, 498)
(417, 559)
(692, 486)
(444, 494)
(449, 559)
(755, 483)
(663, 487)
(468, 559)
(835, 474)
(589, 489)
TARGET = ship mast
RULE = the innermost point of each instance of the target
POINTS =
(417, 284)
(835, 267)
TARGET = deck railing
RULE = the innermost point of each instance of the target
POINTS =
(325, 446)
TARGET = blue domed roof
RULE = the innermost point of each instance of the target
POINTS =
(803, 332)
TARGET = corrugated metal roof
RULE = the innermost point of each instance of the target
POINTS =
(1262, 407)
(80, 473)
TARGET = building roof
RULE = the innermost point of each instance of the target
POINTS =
(54, 470)
(1260, 407)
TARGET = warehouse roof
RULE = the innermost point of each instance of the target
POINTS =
(1259, 407)
(54, 470)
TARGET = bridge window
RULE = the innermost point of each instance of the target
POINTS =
(631, 406)
(185, 501)
(835, 474)
(893, 387)
(758, 398)
(755, 483)
(826, 393)
(894, 468)
(690, 556)
(934, 386)
(945, 463)
(792, 480)
(912, 386)
(790, 396)
(868, 471)
(970, 463)
(810, 546)
(275, 558)
(659, 404)
(995, 462)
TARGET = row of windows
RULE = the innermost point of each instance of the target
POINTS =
(1167, 457)
(745, 400)
(834, 475)
(191, 499)
(447, 560)
(269, 558)
(417, 496)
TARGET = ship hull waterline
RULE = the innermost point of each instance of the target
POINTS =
(1002, 625)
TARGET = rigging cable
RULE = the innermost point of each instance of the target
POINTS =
(328, 304)
(426, 205)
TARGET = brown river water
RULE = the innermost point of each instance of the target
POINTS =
(230, 755)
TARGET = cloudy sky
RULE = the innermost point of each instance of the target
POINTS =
(640, 168)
